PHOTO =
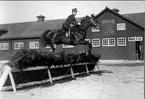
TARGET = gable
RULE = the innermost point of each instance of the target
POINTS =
(108, 22)
(113, 13)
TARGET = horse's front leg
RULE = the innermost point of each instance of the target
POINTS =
(88, 46)
(52, 48)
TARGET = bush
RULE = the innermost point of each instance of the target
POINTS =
(17, 59)
(24, 58)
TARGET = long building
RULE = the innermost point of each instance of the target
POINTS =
(121, 36)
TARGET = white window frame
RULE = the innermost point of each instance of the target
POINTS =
(95, 29)
(139, 38)
(121, 26)
(20, 45)
(131, 39)
(49, 46)
(67, 46)
(4, 46)
(119, 41)
(108, 42)
(32, 45)
(103, 42)
(135, 38)
(96, 43)
(88, 40)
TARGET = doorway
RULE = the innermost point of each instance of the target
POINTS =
(139, 50)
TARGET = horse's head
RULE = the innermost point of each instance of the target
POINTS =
(90, 21)
(94, 22)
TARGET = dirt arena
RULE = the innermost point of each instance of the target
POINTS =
(115, 82)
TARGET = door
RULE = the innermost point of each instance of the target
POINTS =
(139, 50)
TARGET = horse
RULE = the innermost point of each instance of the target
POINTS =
(77, 35)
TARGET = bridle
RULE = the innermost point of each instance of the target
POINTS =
(93, 22)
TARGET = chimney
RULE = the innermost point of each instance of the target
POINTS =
(115, 10)
(3, 30)
(40, 18)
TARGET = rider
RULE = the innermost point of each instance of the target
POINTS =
(70, 22)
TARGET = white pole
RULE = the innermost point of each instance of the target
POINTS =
(71, 70)
(49, 74)
(4, 76)
(98, 67)
(12, 81)
(87, 69)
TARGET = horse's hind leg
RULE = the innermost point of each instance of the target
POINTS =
(51, 45)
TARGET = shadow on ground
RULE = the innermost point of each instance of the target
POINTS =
(100, 72)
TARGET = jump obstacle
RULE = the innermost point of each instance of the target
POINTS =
(7, 71)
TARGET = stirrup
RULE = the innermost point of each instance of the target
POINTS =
(67, 33)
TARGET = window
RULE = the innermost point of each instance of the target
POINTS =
(4, 46)
(121, 41)
(138, 38)
(95, 29)
(108, 42)
(121, 26)
(96, 42)
(34, 45)
(111, 41)
(88, 40)
(131, 38)
(105, 42)
(18, 45)
(49, 46)
(135, 38)
(67, 46)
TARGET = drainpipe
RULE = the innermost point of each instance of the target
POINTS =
(10, 44)
(144, 48)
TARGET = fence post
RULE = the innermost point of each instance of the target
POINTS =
(12, 81)
(87, 69)
(49, 75)
(98, 66)
(4, 76)
(71, 70)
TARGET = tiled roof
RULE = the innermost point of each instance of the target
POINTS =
(138, 18)
(31, 29)
(28, 29)
(3, 30)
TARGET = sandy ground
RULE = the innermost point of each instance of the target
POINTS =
(117, 82)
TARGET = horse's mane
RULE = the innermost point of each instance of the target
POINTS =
(84, 19)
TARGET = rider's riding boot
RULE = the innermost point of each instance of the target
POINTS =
(69, 32)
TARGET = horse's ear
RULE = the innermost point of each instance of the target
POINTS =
(87, 16)
(82, 19)
(92, 15)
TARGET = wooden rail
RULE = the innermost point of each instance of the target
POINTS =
(52, 67)
(48, 71)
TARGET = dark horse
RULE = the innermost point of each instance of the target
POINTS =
(77, 35)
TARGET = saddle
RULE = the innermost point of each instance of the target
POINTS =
(64, 32)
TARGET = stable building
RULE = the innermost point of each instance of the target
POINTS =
(121, 37)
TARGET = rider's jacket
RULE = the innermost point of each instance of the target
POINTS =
(70, 20)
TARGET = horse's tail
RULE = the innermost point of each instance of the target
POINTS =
(44, 39)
